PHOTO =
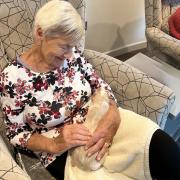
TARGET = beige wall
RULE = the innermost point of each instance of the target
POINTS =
(115, 25)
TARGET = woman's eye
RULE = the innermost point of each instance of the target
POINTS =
(63, 48)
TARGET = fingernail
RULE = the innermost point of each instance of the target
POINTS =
(89, 154)
(98, 158)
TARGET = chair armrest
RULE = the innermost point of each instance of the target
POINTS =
(133, 89)
(32, 165)
(29, 164)
(164, 42)
(9, 167)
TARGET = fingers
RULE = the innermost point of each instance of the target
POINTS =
(76, 135)
(101, 147)
(81, 137)
(76, 128)
(75, 143)
(95, 148)
(82, 132)
(95, 138)
(91, 143)
(102, 152)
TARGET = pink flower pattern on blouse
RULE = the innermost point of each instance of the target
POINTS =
(43, 102)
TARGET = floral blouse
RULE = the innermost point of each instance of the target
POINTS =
(42, 102)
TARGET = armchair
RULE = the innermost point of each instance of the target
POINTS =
(133, 89)
(160, 43)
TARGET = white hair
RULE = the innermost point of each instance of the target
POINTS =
(59, 17)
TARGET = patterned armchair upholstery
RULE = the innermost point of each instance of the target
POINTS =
(133, 89)
(160, 43)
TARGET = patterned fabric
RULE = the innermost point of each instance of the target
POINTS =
(31, 164)
(16, 22)
(42, 102)
(133, 89)
(15, 37)
(159, 38)
(160, 44)
(16, 19)
(9, 169)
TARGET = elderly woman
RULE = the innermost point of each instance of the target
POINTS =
(43, 95)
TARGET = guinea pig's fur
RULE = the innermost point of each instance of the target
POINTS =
(99, 105)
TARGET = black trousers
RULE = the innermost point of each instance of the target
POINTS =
(164, 159)
(56, 168)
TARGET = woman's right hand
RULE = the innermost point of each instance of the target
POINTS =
(71, 135)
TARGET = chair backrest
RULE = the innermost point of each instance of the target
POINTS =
(158, 11)
(16, 22)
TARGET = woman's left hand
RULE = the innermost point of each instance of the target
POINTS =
(104, 133)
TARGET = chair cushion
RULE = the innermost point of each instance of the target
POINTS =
(174, 24)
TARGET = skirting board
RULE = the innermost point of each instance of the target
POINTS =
(126, 49)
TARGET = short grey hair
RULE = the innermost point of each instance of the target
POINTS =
(58, 17)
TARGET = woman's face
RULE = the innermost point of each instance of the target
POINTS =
(55, 50)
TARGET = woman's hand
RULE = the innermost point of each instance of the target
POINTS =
(72, 135)
(104, 133)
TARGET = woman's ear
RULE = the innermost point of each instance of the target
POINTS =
(38, 35)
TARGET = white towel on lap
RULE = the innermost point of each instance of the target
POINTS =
(128, 156)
